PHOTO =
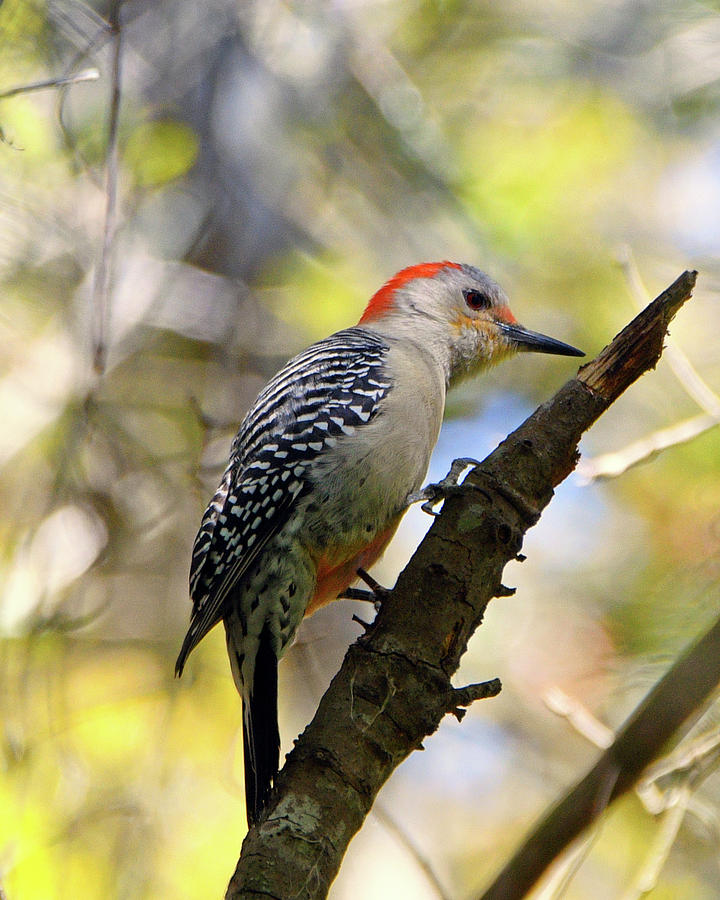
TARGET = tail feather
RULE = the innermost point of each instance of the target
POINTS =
(188, 645)
(261, 737)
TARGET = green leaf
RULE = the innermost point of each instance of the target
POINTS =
(158, 152)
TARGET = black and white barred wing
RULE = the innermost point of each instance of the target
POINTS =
(323, 394)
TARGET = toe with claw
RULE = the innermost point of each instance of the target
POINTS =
(375, 595)
(433, 494)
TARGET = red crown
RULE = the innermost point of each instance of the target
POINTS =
(382, 301)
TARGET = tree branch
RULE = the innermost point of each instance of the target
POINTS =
(394, 688)
(679, 694)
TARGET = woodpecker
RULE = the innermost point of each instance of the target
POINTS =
(321, 471)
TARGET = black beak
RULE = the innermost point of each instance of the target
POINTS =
(533, 342)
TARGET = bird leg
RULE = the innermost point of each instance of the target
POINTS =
(382, 593)
(433, 494)
(375, 595)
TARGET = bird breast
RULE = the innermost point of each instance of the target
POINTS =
(361, 486)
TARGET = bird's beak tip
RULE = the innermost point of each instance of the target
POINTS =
(534, 342)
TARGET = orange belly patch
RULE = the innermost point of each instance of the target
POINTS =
(337, 570)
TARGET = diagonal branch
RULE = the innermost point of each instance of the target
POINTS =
(677, 696)
(394, 688)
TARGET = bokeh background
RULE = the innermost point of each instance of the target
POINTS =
(271, 164)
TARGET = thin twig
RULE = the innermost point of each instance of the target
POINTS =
(62, 81)
(684, 371)
(579, 717)
(671, 821)
(68, 16)
(103, 272)
(567, 866)
(693, 760)
(610, 465)
(95, 43)
(384, 817)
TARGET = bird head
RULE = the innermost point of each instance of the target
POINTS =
(459, 314)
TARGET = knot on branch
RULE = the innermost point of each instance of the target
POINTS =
(527, 512)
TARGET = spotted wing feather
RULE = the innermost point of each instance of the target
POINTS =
(320, 396)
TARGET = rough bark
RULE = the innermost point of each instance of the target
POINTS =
(394, 687)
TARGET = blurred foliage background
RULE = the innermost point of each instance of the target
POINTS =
(236, 183)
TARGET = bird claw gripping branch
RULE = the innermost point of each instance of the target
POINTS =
(433, 494)
(321, 470)
(375, 594)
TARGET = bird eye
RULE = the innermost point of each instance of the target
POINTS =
(477, 299)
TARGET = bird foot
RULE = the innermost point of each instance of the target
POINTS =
(433, 494)
(375, 595)
(360, 594)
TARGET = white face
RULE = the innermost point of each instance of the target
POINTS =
(463, 318)
(462, 309)
(455, 290)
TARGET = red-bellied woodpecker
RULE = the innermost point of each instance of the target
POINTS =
(322, 469)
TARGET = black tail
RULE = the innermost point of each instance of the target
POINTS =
(188, 644)
(261, 737)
